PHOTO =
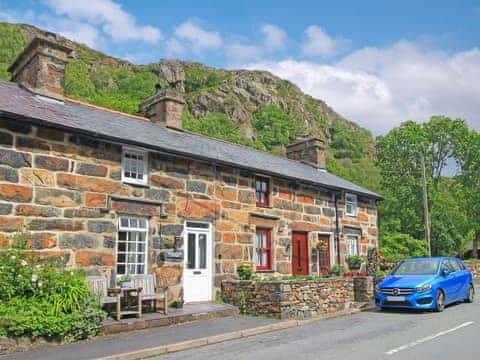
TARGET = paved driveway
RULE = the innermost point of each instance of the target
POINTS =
(453, 334)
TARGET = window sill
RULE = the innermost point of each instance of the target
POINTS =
(265, 271)
(264, 206)
(146, 185)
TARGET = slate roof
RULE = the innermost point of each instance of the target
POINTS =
(15, 101)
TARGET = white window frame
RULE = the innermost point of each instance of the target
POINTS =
(131, 180)
(353, 201)
(349, 239)
(121, 228)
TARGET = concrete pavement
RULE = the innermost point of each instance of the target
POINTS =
(368, 335)
(144, 339)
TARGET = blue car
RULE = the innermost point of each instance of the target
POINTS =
(425, 283)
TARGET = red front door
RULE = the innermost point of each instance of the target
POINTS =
(324, 254)
(299, 253)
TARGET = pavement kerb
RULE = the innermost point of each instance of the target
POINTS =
(215, 339)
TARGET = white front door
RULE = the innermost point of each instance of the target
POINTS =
(197, 274)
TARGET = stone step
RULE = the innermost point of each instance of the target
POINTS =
(190, 312)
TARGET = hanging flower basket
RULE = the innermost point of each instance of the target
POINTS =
(321, 245)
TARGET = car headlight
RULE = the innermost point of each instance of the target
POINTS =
(424, 288)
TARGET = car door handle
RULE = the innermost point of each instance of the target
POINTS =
(197, 273)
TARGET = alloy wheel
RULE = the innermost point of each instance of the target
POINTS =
(471, 294)
(440, 304)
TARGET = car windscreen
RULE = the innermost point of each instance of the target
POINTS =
(417, 267)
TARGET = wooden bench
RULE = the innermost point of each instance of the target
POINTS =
(99, 286)
(150, 291)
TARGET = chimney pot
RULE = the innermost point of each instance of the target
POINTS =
(40, 67)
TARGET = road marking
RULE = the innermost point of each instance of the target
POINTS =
(428, 338)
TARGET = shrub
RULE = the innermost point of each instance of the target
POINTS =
(396, 247)
(354, 261)
(337, 270)
(245, 272)
(37, 298)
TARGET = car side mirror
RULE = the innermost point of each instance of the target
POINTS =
(445, 272)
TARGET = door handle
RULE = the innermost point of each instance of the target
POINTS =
(197, 273)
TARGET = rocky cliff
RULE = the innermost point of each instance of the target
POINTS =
(254, 108)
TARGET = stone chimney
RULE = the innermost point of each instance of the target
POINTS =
(310, 150)
(40, 67)
(165, 107)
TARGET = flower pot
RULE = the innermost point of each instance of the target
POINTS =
(125, 284)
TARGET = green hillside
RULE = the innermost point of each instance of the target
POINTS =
(254, 108)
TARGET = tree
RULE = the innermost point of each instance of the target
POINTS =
(274, 127)
(438, 141)
(467, 153)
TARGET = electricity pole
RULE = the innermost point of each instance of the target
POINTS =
(425, 205)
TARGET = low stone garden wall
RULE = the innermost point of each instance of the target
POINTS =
(295, 299)
(474, 268)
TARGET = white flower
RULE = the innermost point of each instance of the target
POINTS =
(13, 257)
(23, 263)
(40, 284)
(38, 266)
(34, 277)
(71, 273)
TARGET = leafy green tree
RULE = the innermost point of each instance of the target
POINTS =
(12, 41)
(216, 125)
(78, 83)
(274, 127)
(467, 152)
(198, 78)
(399, 159)
(396, 247)
(349, 141)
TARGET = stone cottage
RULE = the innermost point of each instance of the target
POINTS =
(124, 194)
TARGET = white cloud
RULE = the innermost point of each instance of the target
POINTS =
(319, 43)
(379, 88)
(114, 21)
(197, 37)
(238, 53)
(275, 37)
(173, 47)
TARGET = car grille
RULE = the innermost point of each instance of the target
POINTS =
(396, 291)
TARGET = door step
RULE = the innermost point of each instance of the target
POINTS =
(189, 312)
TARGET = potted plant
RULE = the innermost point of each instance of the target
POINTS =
(125, 281)
(337, 270)
(354, 262)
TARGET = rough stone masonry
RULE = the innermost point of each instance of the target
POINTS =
(64, 189)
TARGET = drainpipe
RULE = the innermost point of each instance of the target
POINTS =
(337, 228)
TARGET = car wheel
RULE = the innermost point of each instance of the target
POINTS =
(440, 301)
(470, 294)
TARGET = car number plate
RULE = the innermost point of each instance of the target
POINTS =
(396, 298)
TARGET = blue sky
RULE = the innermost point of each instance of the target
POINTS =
(377, 63)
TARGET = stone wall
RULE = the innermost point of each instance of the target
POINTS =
(474, 268)
(364, 287)
(66, 190)
(288, 299)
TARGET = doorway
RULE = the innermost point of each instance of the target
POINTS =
(197, 271)
(299, 253)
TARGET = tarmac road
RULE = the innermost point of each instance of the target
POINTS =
(452, 334)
